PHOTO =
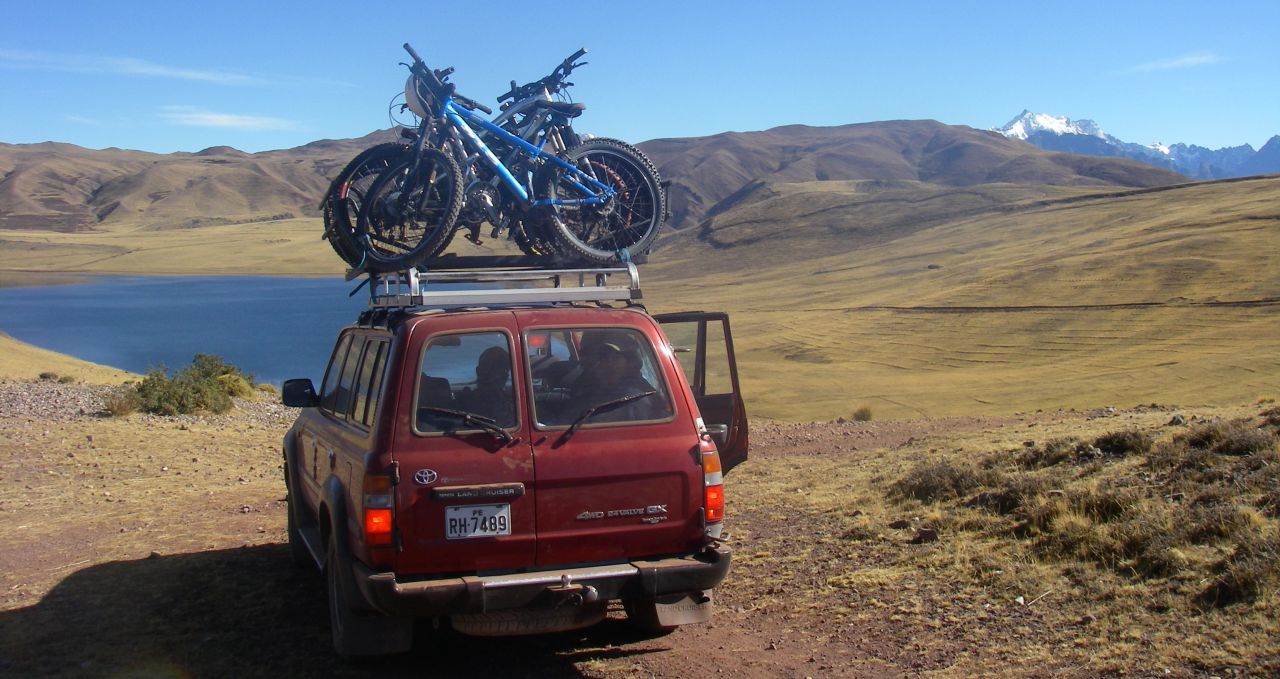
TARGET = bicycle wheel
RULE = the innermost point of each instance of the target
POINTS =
(620, 228)
(408, 215)
(346, 193)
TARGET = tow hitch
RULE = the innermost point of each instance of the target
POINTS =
(569, 593)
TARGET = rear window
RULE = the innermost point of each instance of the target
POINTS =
(465, 373)
(607, 375)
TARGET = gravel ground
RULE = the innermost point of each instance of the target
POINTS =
(47, 400)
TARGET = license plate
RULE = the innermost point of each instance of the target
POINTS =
(477, 521)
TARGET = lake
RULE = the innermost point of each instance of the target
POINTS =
(274, 328)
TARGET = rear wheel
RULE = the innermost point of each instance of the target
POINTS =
(408, 214)
(619, 229)
(346, 194)
(356, 630)
(298, 551)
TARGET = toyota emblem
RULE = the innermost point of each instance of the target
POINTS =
(425, 477)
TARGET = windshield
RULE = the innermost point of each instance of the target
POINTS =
(573, 370)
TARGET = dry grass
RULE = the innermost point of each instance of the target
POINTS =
(1021, 305)
(21, 361)
(1083, 567)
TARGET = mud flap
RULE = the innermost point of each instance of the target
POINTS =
(673, 610)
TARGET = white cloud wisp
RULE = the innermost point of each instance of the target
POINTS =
(1185, 61)
(190, 116)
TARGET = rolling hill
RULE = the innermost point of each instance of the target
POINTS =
(60, 187)
(710, 174)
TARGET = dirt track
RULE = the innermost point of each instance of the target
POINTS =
(155, 547)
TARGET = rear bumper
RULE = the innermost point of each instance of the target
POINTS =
(481, 594)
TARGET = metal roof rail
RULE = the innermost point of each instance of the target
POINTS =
(413, 288)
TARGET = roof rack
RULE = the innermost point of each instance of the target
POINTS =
(415, 288)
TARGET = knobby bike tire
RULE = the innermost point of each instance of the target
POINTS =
(407, 216)
(341, 205)
(621, 229)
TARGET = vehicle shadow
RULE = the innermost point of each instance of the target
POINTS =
(247, 612)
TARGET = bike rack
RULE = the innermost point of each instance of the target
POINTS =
(497, 287)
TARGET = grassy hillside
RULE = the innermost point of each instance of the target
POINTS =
(19, 360)
(989, 299)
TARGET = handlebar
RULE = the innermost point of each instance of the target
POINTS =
(408, 48)
(553, 82)
(435, 80)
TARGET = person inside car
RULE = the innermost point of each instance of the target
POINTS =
(491, 397)
(611, 372)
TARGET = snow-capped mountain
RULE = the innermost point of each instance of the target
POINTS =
(1059, 133)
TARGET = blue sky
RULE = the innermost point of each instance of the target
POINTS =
(175, 76)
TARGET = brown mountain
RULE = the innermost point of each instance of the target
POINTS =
(710, 174)
(62, 187)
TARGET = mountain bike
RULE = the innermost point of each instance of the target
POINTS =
(598, 200)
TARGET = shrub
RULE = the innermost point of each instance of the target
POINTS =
(206, 385)
(1245, 440)
(1056, 452)
(1105, 503)
(67, 379)
(235, 385)
(48, 376)
(1075, 536)
(1121, 443)
(122, 401)
(935, 481)
(1271, 417)
(1203, 524)
(1012, 494)
(862, 414)
(1204, 436)
(1251, 569)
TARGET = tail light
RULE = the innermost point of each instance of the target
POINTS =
(713, 487)
(378, 517)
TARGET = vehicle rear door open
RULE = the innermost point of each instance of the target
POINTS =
(704, 346)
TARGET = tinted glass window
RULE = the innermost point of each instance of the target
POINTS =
(612, 370)
(375, 385)
(707, 371)
(342, 399)
(370, 370)
(329, 390)
(469, 373)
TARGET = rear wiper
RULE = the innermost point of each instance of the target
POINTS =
(599, 408)
(480, 421)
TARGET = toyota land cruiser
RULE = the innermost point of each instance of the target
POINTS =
(512, 458)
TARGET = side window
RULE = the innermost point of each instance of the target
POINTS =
(469, 373)
(364, 406)
(329, 389)
(346, 385)
(375, 387)
(608, 375)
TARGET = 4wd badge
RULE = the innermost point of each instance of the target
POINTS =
(425, 477)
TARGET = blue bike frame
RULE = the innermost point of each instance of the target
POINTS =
(462, 119)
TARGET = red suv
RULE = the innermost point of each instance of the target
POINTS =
(514, 465)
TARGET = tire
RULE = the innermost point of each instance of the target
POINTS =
(356, 630)
(298, 552)
(346, 193)
(623, 228)
(408, 217)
